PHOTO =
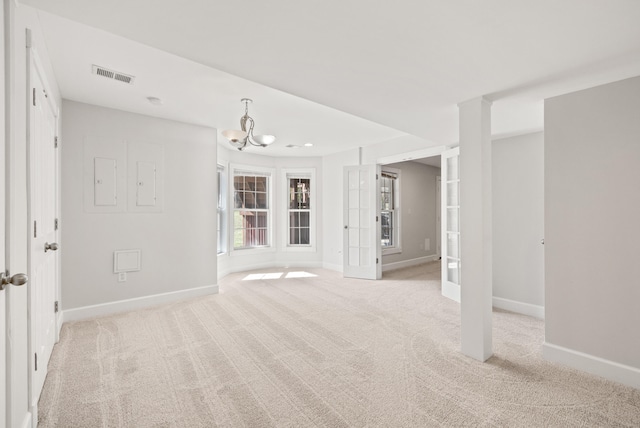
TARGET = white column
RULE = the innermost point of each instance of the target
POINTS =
(475, 228)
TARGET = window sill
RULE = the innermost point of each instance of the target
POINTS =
(300, 249)
(249, 251)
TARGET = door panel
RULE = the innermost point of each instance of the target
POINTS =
(4, 245)
(450, 217)
(42, 188)
(362, 251)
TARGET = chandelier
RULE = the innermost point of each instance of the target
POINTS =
(240, 138)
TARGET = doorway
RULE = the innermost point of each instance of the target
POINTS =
(409, 212)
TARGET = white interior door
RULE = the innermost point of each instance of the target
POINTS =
(3, 246)
(42, 189)
(361, 239)
(450, 218)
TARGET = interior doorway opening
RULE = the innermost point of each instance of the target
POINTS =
(410, 211)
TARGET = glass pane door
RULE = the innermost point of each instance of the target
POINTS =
(451, 224)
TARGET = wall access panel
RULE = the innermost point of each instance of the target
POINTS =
(145, 182)
(105, 169)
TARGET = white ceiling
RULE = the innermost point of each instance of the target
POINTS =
(341, 74)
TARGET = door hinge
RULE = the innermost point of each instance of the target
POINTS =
(55, 224)
(376, 176)
(36, 361)
(34, 96)
(56, 307)
(55, 142)
(376, 218)
(35, 229)
(376, 260)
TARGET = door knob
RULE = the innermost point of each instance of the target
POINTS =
(53, 246)
(17, 279)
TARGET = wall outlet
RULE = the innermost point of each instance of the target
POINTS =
(122, 277)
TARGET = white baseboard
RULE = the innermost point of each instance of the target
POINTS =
(607, 369)
(331, 266)
(408, 263)
(136, 303)
(535, 311)
(27, 422)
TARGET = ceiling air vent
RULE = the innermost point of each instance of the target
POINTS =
(111, 74)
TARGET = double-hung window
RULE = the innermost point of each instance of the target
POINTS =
(389, 211)
(299, 185)
(251, 209)
(299, 210)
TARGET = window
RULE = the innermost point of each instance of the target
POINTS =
(222, 218)
(251, 215)
(389, 211)
(299, 204)
(299, 201)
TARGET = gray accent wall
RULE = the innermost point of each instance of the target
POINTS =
(592, 221)
(178, 245)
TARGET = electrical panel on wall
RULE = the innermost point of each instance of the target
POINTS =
(105, 181)
(145, 188)
(123, 176)
(146, 184)
(105, 175)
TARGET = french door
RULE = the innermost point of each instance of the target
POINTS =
(450, 218)
(361, 239)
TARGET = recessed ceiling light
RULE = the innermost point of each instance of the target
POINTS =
(155, 101)
(308, 144)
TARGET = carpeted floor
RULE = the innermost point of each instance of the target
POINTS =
(311, 349)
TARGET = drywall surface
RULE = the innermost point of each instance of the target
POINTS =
(418, 213)
(178, 244)
(332, 211)
(592, 233)
(518, 218)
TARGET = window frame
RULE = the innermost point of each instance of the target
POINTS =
(292, 173)
(234, 169)
(396, 248)
(222, 227)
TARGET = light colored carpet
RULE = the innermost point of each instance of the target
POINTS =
(318, 351)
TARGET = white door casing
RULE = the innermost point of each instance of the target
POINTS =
(42, 205)
(450, 219)
(361, 238)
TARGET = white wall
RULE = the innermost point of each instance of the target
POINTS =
(277, 255)
(332, 213)
(592, 232)
(417, 213)
(518, 223)
(21, 18)
(178, 244)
